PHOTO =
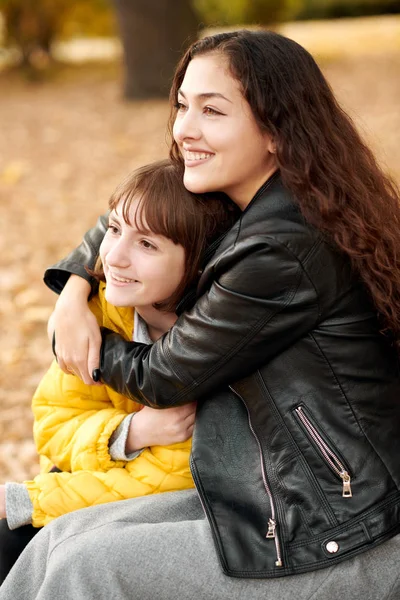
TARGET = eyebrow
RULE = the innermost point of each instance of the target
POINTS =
(207, 95)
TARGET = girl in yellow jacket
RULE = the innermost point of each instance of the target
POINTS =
(88, 437)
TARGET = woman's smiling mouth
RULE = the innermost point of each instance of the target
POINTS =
(192, 157)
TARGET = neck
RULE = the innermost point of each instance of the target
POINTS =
(244, 199)
(157, 321)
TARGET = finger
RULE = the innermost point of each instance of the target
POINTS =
(188, 433)
(63, 366)
(190, 413)
(93, 364)
(189, 421)
(50, 327)
(186, 409)
(69, 369)
(79, 365)
(82, 372)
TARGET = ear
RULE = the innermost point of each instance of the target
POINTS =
(271, 145)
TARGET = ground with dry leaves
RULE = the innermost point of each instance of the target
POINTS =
(63, 147)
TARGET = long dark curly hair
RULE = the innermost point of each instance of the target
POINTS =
(333, 175)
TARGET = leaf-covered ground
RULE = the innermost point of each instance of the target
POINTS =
(64, 145)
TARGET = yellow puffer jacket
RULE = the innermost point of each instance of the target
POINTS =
(72, 429)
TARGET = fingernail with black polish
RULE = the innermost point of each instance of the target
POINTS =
(96, 375)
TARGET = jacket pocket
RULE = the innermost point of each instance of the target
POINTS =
(325, 449)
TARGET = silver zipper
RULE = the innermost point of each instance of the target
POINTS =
(330, 457)
(272, 522)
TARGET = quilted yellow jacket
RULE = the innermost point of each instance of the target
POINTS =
(72, 429)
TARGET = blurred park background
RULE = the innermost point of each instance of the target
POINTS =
(83, 86)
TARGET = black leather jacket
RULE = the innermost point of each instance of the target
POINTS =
(296, 450)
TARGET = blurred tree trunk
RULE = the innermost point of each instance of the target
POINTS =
(32, 26)
(154, 33)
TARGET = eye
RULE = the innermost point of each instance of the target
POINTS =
(211, 111)
(112, 228)
(148, 245)
(180, 106)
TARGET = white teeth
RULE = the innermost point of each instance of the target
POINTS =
(122, 279)
(196, 155)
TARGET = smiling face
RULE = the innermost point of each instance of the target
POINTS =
(222, 145)
(141, 268)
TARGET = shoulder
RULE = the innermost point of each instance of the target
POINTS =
(273, 248)
(271, 231)
(275, 216)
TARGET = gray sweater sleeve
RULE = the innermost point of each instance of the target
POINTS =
(118, 441)
(19, 508)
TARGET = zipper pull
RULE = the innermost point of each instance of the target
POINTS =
(347, 493)
(271, 534)
(271, 528)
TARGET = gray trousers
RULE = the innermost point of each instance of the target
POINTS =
(160, 548)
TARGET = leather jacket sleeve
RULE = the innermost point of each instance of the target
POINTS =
(85, 255)
(260, 302)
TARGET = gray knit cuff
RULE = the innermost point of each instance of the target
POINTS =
(19, 508)
(118, 441)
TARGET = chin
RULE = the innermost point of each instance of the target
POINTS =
(195, 185)
(115, 299)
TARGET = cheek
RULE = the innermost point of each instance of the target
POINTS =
(105, 247)
(178, 268)
(170, 275)
(175, 130)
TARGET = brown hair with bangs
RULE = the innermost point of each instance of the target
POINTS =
(167, 208)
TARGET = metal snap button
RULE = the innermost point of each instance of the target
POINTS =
(332, 547)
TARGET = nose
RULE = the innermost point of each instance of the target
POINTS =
(187, 126)
(119, 254)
